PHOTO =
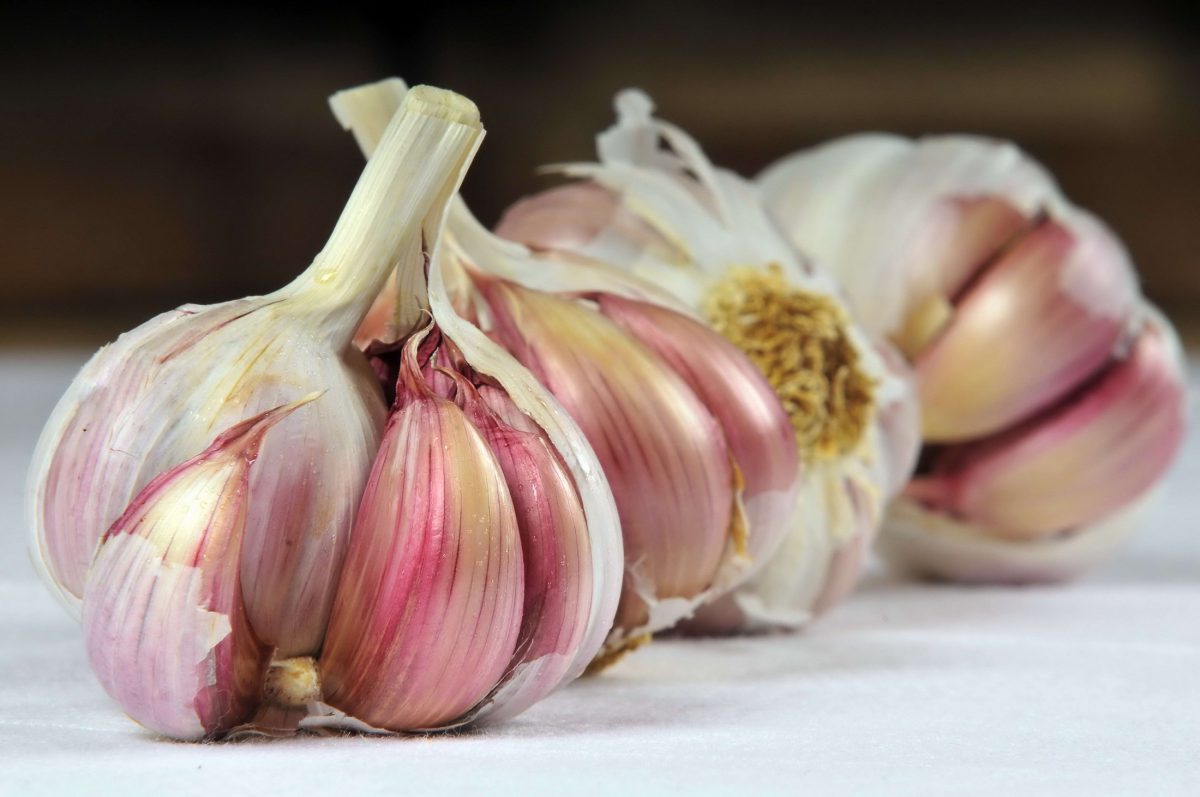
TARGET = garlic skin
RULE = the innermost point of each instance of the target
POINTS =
(1052, 395)
(658, 211)
(163, 615)
(159, 393)
(467, 589)
(533, 438)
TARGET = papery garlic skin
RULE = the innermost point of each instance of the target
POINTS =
(430, 608)
(163, 615)
(657, 209)
(120, 424)
(1022, 318)
(156, 396)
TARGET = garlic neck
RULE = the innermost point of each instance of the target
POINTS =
(393, 214)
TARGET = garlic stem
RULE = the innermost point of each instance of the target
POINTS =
(375, 232)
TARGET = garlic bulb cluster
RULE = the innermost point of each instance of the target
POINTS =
(444, 471)
(256, 544)
(1052, 394)
(657, 211)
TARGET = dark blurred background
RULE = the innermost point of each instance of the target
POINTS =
(151, 155)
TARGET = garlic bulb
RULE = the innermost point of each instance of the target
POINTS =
(159, 393)
(1052, 394)
(658, 211)
(484, 565)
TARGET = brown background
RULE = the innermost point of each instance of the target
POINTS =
(150, 157)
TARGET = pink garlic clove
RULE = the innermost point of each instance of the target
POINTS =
(972, 231)
(1037, 323)
(164, 622)
(1096, 452)
(663, 453)
(554, 542)
(758, 431)
(583, 219)
(960, 239)
(429, 612)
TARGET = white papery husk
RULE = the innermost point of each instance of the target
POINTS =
(927, 544)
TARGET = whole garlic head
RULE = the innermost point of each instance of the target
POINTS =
(656, 209)
(485, 561)
(1052, 394)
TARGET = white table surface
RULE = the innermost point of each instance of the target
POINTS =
(1092, 689)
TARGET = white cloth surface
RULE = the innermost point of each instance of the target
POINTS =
(1089, 689)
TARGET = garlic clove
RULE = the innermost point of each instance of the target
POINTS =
(664, 455)
(430, 609)
(1037, 323)
(1099, 450)
(163, 617)
(758, 431)
(159, 394)
(587, 219)
(541, 413)
(554, 542)
(928, 543)
(64, 514)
